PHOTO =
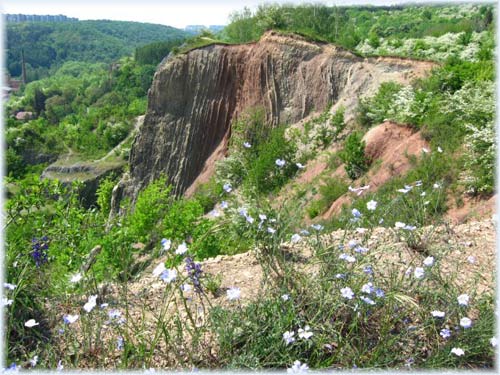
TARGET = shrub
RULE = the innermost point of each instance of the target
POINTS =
(208, 194)
(104, 193)
(180, 220)
(149, 208)
(330, 191)
(374, 110)
(353, 156)
(264, 174)
(327, 128)
(473, 109)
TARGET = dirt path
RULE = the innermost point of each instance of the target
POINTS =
(138, 122)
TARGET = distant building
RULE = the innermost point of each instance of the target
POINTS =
(23, 115)
(196, 29)
(216, 28)
(38, 18)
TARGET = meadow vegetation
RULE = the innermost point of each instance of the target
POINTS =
(323, 303)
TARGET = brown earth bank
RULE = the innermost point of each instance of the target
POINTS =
(390, 145)
(195, 97)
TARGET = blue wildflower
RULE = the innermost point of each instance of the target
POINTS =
(368, 270)
(445, 333)
(39, 247)
(194, 272)
(119, 343)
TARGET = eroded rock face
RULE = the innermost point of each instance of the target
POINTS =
(195, 97)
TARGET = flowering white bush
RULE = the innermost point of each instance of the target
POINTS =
(434, 48)
(474, 106)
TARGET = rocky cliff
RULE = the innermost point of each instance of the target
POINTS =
(195, 96)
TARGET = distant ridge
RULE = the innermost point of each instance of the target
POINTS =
(38, 18)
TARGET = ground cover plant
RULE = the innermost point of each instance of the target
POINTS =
(240, 275)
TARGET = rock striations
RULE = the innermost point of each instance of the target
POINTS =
(195, 97)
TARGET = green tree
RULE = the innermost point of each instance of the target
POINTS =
(353, 156)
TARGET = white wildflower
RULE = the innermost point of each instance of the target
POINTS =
(399, 225)
(371, 205)
(305, 333)
(429, 261)
(31, 323)
(419, 273)
(166, 244)
(288, 337)
(233, 293)
(181, 249)
(280, 162)
(169, 275)
(9, 286)
(159, 269)
(463, 299)
(466, 322)
(90, 303)
(298, 367)
(367, 300)
(438, 314)
(347, 293)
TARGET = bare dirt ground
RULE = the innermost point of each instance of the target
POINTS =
(454, 244)
(467, 250)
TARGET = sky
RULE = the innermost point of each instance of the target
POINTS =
(177, 13)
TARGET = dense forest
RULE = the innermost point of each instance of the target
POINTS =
(86, 289)
(348, 26)
(48, 45)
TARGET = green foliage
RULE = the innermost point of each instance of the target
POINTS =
(330, 191)
(179, 221)
(255, 166)
(348, 26)
(104, 193)
(42, 209)
(373, 111)
(149, 208)
(263, 174)
(86, 108)
(154, 53)
(353, 156)
(208, 194)
(455, 73)
(50, 44)
(327, 127)
(15, 165)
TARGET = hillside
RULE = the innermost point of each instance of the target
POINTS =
(50, 44)
(287, 76)
(296, 200)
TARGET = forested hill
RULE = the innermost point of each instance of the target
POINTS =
(48, 44)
